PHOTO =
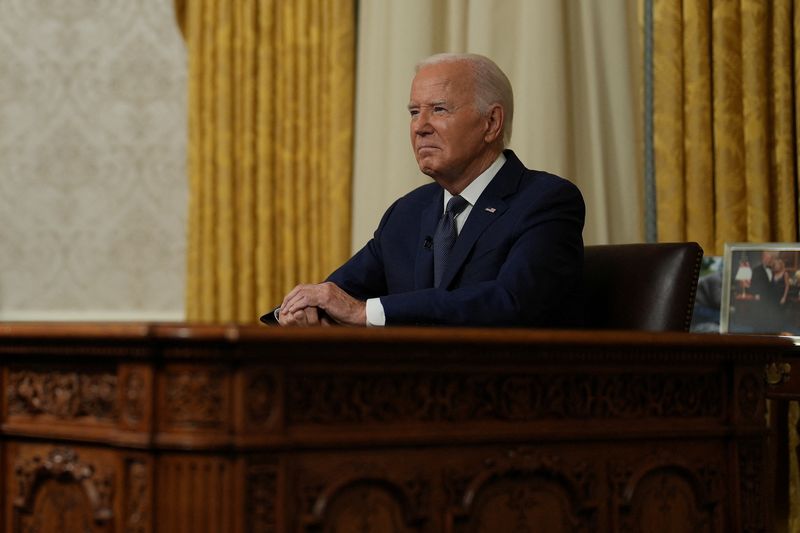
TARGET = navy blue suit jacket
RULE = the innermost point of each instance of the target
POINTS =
(518, 260)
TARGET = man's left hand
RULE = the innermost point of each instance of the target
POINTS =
(339, 305)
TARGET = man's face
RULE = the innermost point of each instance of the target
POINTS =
(447, 131)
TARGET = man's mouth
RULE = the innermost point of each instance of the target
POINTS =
(426, 147)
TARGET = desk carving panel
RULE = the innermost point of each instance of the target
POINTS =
(143, 428)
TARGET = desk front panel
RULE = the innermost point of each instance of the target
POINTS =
(177, 428)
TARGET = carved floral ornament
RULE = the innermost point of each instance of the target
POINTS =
(138, 507)
(380, 398)
(706, 478)
(195, 397)
(752, 479)
(511, 474)
(578, 477)
(65, 395)
(134, 391)
(365, 481)
(260, 398)
(63, 464)
(667, 482)
(261, 496)
(750, 395)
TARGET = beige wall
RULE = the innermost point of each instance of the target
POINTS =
(92, 160)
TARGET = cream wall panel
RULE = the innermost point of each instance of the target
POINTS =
(92, 160)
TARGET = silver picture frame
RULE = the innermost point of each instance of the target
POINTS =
(761, 288)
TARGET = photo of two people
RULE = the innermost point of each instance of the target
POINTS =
(761, 288)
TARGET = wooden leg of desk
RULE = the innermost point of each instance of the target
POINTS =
(794, 476)
(779, 450)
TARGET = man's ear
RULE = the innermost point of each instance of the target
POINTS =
(494, 123)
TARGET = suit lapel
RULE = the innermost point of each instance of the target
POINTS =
(423, 265)
(489, 208)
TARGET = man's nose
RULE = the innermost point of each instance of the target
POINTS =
(421, 124)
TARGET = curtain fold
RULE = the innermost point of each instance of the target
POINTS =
(271, 87)
(724, 109)
(698, 132)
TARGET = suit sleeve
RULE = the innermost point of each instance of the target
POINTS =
(363, 275)
(538, 283)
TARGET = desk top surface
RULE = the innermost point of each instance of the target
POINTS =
(11, 332)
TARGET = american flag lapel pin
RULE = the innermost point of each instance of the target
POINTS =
(490, 209)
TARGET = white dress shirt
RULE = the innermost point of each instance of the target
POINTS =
(473, 191)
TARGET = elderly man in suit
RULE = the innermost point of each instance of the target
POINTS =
(488, 243)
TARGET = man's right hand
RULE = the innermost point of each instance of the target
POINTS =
(307, 316)
(326, 300)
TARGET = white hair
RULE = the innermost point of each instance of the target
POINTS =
(491, 85)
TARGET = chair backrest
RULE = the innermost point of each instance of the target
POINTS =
(641, 286)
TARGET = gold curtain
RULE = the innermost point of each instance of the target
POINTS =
(724, 100)
(271, 86)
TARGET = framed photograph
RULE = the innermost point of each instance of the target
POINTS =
(761, 288)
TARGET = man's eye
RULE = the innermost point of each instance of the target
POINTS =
(439, 109)
(413, 112)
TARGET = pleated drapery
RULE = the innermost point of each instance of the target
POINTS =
(271, 87)
(725, 122)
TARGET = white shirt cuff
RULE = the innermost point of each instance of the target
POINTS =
(375, 314)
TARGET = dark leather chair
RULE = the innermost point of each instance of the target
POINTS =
(641, 286)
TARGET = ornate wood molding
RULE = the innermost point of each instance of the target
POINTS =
(750, 394)
(137, 507)
(62, 394)
(513, 485)
(753, 505)
(134, 391)
(261, 399)
(661, 480)
(195, 397)
(371, 487)
(262, 498)
(62, 464)
(440, 397)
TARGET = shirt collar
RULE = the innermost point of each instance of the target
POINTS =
(474, 190)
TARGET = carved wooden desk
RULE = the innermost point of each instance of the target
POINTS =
(172, 428)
